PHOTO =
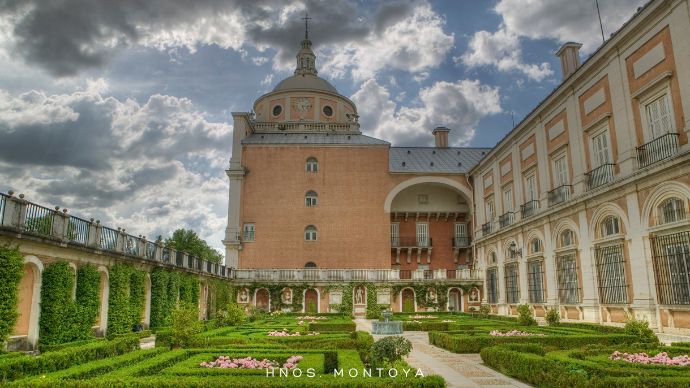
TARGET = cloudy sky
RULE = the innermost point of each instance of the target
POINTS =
(120, 110)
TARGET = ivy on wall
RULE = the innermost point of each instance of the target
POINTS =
(441, 289)
(64, 319)
(167, 290)
(221, 293)
(11, 271)
(126, 298)
(276, 290)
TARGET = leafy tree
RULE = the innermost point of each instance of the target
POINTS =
(390, 349)
(185, 324)
(188, 241)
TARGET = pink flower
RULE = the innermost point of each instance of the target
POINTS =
(643, 358)
(513, 333)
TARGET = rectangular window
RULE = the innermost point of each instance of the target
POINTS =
(568, 287)
(659, 120)
(535, 281)
(490, 209)
(248, 232)
(460, 235)
(491, 285)
(560, 169)
(611, 274)
(600, 149)
(395, 235)
(508, 199)
(512, 283)
(422, 234)
(671, 258)
(530, 188)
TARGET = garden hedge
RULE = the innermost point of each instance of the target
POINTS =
(327, 326)
(11, 271)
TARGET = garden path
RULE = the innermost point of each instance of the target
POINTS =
(459, 370)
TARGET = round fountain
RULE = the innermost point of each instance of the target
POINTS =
(386, 326)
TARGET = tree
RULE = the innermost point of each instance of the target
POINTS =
(188, 241)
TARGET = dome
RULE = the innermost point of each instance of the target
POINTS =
(305, 81)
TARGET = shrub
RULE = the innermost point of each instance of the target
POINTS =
(326, 326)
(390, 349)
(553, 318)
(484, 310)
(11, 271)
(185, 324)
(640, 329)
(235, 315)
(56, 304)
(525, 315)
(330, 361)
(408, 306)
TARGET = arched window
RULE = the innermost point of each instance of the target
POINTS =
(311, 198)
(671, 210)
(310, 264)
(312, 165)
(567, 238)
(493, 257)
(610, 226)
(310, 233)
(535, 245)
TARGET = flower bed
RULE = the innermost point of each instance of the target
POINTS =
(282, 333)
(513, 333)
(250, 363)
(643, 358)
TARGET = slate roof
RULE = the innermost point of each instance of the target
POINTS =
(434, 160)
(312, 138)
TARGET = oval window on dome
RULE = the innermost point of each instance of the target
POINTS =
(277, 110)
(328, 111)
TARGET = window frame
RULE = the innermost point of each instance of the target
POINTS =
(311, 199)
(596, 152)
(311, 233)
(661, 92)
(248, 229)
(312, 165)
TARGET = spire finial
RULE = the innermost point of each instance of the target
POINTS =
(306, 19)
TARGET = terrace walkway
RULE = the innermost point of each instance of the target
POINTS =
(459, 370)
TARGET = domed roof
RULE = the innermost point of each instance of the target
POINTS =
(305, 81)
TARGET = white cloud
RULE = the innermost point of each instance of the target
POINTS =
(565, 20)
(415, 44)
(501, 49)
(144, 167)
(268, 80)
(458, 105)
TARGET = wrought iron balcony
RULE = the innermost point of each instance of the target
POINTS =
(506, 219)
(663, 147)
(486, 229)
(528, 209)
(559, 194)
(599, 176)
(411, 242)
(461, 241)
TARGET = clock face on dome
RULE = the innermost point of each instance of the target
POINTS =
(302, 105)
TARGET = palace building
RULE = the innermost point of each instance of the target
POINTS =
(583, 206)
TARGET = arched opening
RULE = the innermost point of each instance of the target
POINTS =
(26, 293)
(311, 199)
(310, 265)
(310, 233)
(454, 299)
(430, 220)
(262, 299)
(311, 301)
(407, 302)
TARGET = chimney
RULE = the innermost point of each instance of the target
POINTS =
(441, 135)
(570, 58)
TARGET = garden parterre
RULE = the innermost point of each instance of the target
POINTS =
(120, 363)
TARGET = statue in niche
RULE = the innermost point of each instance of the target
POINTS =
(359, 295)
(287, 296)
(244, 296)
(474, 295)
(431, 295)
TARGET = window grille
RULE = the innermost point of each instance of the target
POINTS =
(568, 287)
(512, 283)
(671, 259)
(535, 281)
(491, 285)
(610, 263)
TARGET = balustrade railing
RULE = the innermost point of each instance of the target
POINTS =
(411, 242)
(38, 219)
(78, 230)
(486, 229)
(150, 250)
(560, 194)
(461, 241)
(599, 176)
(528, 209)
(506, 219)
(108, 241)
(663, 147)
(2, 208)
(388, 275)
(305, 127)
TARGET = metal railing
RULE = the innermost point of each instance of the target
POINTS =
(506, 219)
(411, 242)
(671, 259)
(461, 241)
(150, 250)
(663, 147)
(305, 127)
(599, 176)
(78, 230)
(2, 208)
(486, 229)
(108, 240)
(560, 194)
(39, 219)
(529, 209)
